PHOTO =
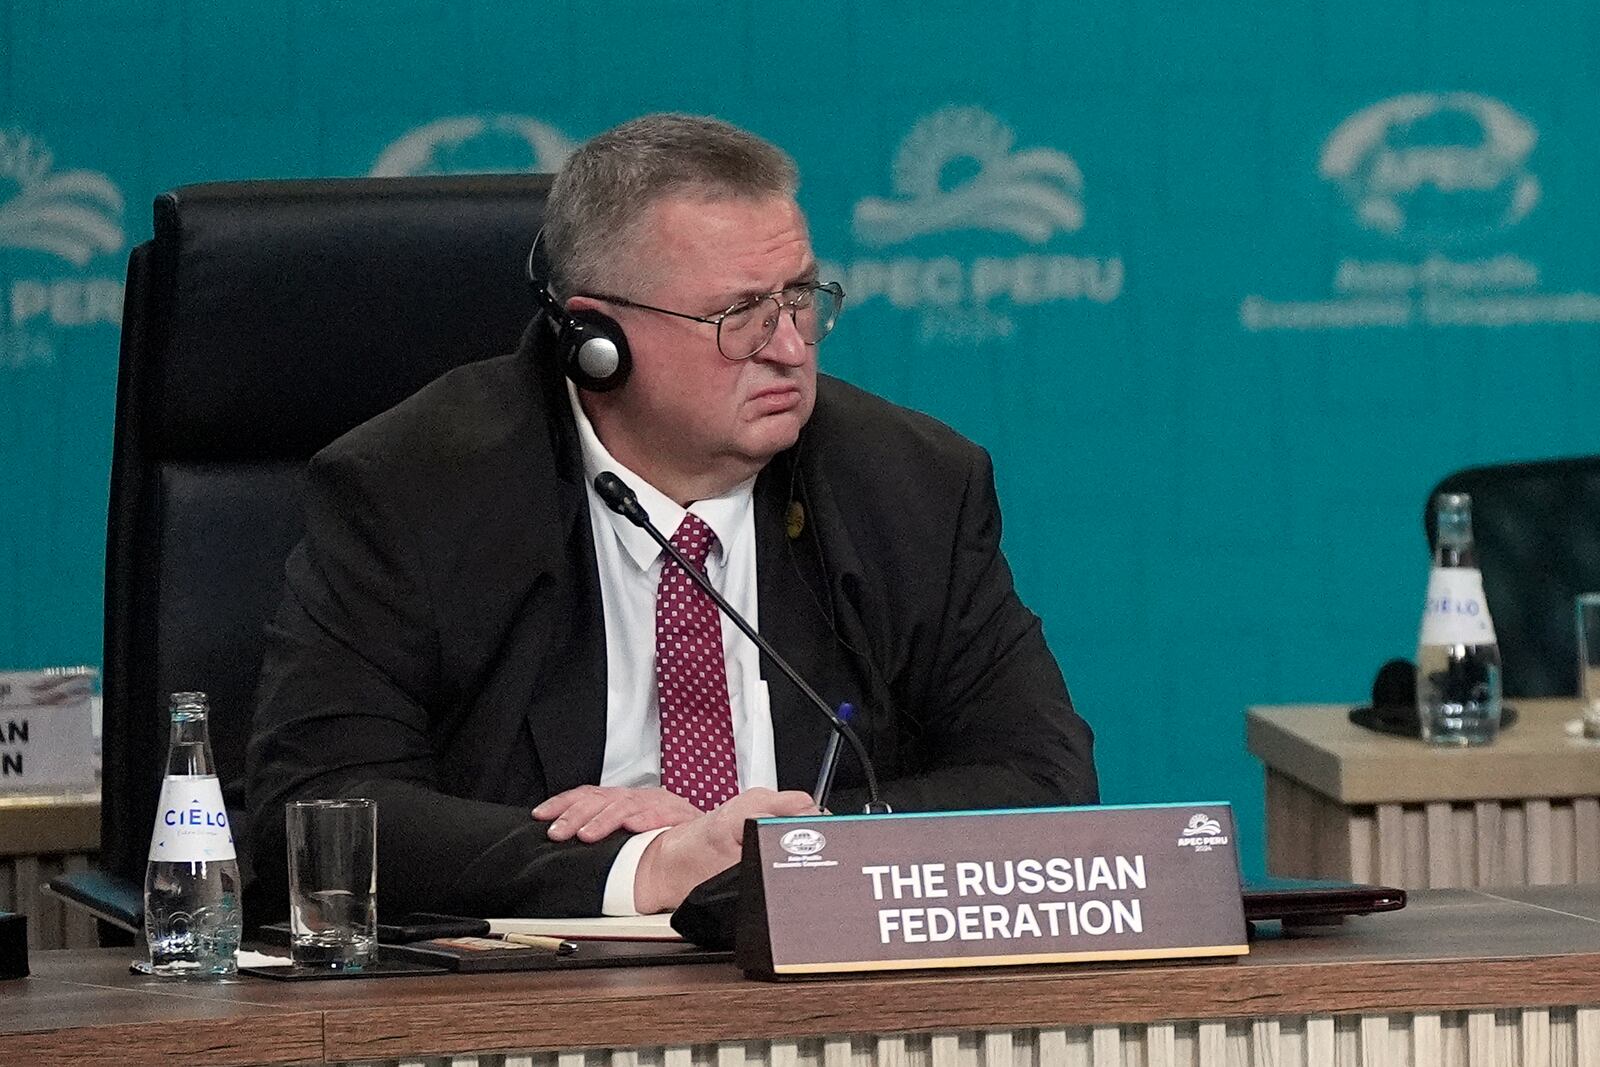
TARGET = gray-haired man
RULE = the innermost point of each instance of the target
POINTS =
(552, 720)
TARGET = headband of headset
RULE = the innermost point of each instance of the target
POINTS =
(590, 344)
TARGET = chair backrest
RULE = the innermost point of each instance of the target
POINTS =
(1537, 530)
(263, 320)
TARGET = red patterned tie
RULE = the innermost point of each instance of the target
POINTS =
(698, 760)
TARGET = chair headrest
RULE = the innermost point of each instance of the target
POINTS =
(287, 312)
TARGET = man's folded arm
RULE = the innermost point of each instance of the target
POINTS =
(350, 670)
(329, 725)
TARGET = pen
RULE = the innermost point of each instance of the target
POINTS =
(830, 761)
(560, 946)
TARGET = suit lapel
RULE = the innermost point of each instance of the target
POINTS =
(565, 628)
(790, 590)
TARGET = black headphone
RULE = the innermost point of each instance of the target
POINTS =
(590, 344)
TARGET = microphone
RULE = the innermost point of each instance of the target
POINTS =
(622, 500)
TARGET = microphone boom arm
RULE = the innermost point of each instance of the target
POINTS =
(619, 498)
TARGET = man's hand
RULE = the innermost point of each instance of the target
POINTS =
(688, 854)
(593, 812)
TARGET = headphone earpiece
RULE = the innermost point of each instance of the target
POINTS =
(590, 344)
(593, 350)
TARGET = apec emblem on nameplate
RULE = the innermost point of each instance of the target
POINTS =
(844, 893)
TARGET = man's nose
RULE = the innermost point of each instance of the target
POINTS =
(786, 345)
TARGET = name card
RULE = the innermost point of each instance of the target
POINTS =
(982, 889)
(46, 733)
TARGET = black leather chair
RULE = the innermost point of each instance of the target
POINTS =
(263, 320)
(1537, 530)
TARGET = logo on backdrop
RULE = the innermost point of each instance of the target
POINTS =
(959, 170)
(1033, 194)
(54, 223)
(477, 144)
(1439, 169)
(1442, 181)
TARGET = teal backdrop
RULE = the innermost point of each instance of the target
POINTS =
(1223, 287)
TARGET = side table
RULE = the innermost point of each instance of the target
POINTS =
(41, 837)
(1344, 802)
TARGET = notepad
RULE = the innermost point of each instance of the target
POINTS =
(606, 928)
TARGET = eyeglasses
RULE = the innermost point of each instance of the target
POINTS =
(744, 329)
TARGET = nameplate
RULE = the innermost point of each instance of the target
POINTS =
(46, 733)
(982, 889)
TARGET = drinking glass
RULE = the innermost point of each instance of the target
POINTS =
(333, 883)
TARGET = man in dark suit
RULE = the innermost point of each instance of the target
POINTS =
(551, 718)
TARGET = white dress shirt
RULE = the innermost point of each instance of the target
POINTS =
(630, 565)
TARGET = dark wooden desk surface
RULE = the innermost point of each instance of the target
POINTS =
(1450, 950)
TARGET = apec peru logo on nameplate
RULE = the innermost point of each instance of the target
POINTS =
(972, 889)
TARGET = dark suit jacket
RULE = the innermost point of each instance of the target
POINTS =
(440, 645)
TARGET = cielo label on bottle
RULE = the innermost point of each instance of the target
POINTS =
(191, 821)
(1455, 612)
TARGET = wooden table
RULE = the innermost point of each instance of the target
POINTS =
(1459, 977)
(41, 837)
(1345, 802)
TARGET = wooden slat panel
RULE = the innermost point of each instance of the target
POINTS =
(1534, 1027)
(1077, 1049)
(1284, 854)
(50, 911)
(1538, 845)
(1488, 837)
(1586, 839)
(1563, 1038)
(1427, 1045)
(1347, 1041)
(1320, 1041)
(837, 1052)
(944, 1051)
(1514, 839)
(998, 1047)
(1414, 825)
(1375, 1051)
(27, 900)
(1442, 854)
(1333, 839)
(1468, 847)
(1360, 833)
(1051, 1046)
(79, 928)
(1211, 1045)
(891, 1052)
(1563, 843)
(1160, 1046)
(1482, 1041)
(1391, 845)
(1265, 1043)
(1105, 1046)
(1587, 1024)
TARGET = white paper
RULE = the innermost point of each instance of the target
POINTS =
(191, 821)
(1456, 612)
(606, 928)
(46, 732)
